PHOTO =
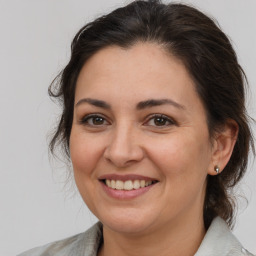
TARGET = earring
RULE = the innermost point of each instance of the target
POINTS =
(216, 169)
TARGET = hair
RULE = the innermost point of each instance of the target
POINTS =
(206, 52)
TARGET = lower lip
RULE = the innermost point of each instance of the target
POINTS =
(125, 194)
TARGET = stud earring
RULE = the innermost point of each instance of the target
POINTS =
(216, 169)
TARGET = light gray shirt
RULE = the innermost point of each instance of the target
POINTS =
(218, 241)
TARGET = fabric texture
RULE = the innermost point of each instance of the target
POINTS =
(218, 241)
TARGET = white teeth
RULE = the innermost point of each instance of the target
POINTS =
(136, 184)
(119, 184)
(108, 182)
(127, 185)
(113, 184)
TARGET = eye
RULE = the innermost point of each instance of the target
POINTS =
(94, 120)
(159, 120)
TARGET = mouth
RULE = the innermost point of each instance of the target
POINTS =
(128, 185)
(127, 182)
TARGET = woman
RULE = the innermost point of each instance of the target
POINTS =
(155, 125)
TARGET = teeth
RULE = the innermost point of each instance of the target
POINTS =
(127, 185)
(119, 185)
(142, 183)
(148, 183)
(113, 184)
(136, 184)
(108, 182)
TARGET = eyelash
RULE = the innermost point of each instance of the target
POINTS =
(160, 116)
(85, 120)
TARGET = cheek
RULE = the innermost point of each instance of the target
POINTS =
(84, 152)
(182, 155)
(182, 162)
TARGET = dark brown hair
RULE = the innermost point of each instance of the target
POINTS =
(208, 56)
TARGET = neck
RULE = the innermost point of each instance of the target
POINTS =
(179, 238)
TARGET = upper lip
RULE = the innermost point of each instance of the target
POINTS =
(125, 177)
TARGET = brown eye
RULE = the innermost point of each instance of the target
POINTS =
(159, 121)
(94, 120)
(97, 120)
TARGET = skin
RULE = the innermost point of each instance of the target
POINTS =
(178, 152)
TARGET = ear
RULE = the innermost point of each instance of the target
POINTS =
(223, 145)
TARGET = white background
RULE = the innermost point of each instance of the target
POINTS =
(35, 208)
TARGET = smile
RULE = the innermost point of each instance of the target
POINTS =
(128, 184)
(126, 187)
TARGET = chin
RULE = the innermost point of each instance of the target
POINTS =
(132, 222)
(127, 226)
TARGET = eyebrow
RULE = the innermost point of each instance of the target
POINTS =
(141, 105)
(94, 102)
(158, 102)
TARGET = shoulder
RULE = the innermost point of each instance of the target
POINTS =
(219, 240)
(87, 242)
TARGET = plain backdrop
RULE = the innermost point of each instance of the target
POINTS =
(35, 206)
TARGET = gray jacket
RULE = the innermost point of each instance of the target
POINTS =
(218, 241)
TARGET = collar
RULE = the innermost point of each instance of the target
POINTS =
(219, 240)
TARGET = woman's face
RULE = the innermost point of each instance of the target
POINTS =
(138, 120)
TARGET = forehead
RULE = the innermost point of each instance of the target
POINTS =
(142, 71)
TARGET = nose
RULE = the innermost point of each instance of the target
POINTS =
(123, 148)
